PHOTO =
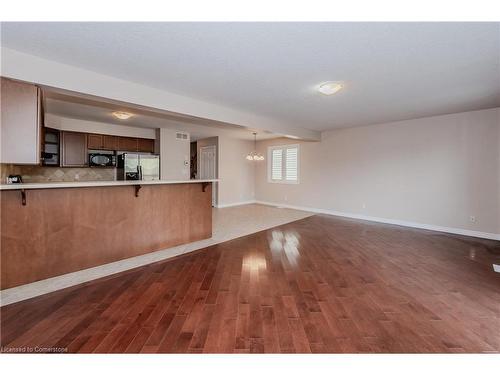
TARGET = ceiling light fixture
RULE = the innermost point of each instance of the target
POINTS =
(122, 115)
(254, 155)
(330, 88)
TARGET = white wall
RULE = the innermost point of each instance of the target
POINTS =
(85, 126)
(173, 155)
(437, 171)
(236, 174)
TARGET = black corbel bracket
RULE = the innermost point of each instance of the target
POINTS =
(137, 188)
(23, 197)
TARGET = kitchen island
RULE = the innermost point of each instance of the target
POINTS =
(49, 229)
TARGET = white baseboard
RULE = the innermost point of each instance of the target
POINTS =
(224, 205)
(463, 232)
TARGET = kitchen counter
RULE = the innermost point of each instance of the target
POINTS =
(78, 184)
(50, 229)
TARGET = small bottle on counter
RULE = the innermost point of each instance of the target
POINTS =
(14, 179)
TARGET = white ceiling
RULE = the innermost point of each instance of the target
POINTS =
(392, 71)
(92, 109)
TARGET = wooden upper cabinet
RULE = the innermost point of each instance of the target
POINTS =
(74, 149)
(117, 143)
(127, 144)
(95, 141)
(110, 142)
(21, 122)
(146, 145)
(103, 142)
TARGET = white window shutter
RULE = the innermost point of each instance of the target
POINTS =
(276, 164)
(283, 164)
(291, 164)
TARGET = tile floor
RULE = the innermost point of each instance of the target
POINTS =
(228, 223)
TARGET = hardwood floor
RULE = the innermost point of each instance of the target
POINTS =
(322, 284)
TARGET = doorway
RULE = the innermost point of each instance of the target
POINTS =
(208, 167)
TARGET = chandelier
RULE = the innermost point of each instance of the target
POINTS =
(254, 155)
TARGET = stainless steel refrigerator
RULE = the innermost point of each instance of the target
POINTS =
(138, 167)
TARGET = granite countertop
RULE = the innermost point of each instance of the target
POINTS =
(76, 184)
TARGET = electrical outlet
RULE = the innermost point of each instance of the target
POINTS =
(363, 205)
(472, 219)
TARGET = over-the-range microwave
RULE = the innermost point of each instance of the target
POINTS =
(102, 160)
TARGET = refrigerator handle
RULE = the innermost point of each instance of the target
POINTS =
(139, 172)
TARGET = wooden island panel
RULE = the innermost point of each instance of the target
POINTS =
(69, 229)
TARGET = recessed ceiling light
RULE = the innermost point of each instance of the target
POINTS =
(330, 88)
(122, 115)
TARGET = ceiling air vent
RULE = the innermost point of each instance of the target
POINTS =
(181, 136)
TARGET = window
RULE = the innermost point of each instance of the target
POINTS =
(283, 164)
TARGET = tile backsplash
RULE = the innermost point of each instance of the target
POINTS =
(35, 173)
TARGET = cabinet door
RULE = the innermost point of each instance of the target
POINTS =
(110, 142)
(51, 147)
(74, 149)
(146, 145)
(95, 141)
(127, 144)
(21, 119)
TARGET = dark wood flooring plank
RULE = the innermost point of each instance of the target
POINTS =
(321, 284)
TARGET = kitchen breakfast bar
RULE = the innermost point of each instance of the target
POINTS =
(49, 229)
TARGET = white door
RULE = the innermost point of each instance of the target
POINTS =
(208, 167)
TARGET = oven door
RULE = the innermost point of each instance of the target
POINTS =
(100, 160)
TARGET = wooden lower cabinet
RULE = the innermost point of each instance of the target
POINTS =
(70, 229)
